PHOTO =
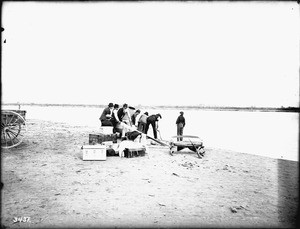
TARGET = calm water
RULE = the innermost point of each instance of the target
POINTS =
(271, 134)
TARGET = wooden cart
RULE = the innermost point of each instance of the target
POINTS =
(193, 143)
(13, 128)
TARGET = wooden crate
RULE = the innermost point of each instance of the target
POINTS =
(99, 138)
(138, 152)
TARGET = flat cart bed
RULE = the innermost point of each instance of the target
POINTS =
(194, 143)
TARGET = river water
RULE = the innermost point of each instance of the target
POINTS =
(270, 134)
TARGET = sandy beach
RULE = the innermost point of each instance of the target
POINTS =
(46, 180)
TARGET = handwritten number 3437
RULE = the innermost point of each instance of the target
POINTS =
(21, 219)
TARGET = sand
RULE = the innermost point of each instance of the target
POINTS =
(46, 180)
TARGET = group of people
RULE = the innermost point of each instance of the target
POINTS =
(122, 121)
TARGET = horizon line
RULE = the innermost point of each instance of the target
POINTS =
(282, 108)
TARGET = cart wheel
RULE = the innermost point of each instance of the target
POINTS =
(202, 151)
(13, 127)
(171, 152)
(199, 153)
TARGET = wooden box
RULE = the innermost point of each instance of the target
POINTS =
(138, 152)
(99, 138)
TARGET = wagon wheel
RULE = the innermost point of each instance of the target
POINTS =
(172, 148)
(200, 152)
(13, 127)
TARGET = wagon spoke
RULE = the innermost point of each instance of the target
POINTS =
(3, 119)
(2, 126)
(15, 127)
(13, 141)
(15, 121)
(17, 137)
(3, 135)
(11, 117)
(5, 141)
(2, 130)
(10, 138)
(13, 133)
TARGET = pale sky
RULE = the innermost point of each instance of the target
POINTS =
(151, 53)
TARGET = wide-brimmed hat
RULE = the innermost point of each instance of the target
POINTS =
(181, 112)
(110, 105)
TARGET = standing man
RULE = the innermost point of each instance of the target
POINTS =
(142, 122)
(153, 120)
(134, 117)
(180, 122)
(106, 115)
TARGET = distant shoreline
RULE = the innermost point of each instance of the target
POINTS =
(214, 108)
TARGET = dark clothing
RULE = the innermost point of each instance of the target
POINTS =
(113, 120)
(121, 113)
(133, 118)
(153, 127)
(151, 120)
(179, 131)
(180, 125)
(142, 127)
(105, 112)
(104, 120)
(106, 123)
(180, 119)
(132, 135)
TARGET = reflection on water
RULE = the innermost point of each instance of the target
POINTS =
(271, 134)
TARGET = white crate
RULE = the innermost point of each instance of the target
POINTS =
(94, 153)
(106, 130)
